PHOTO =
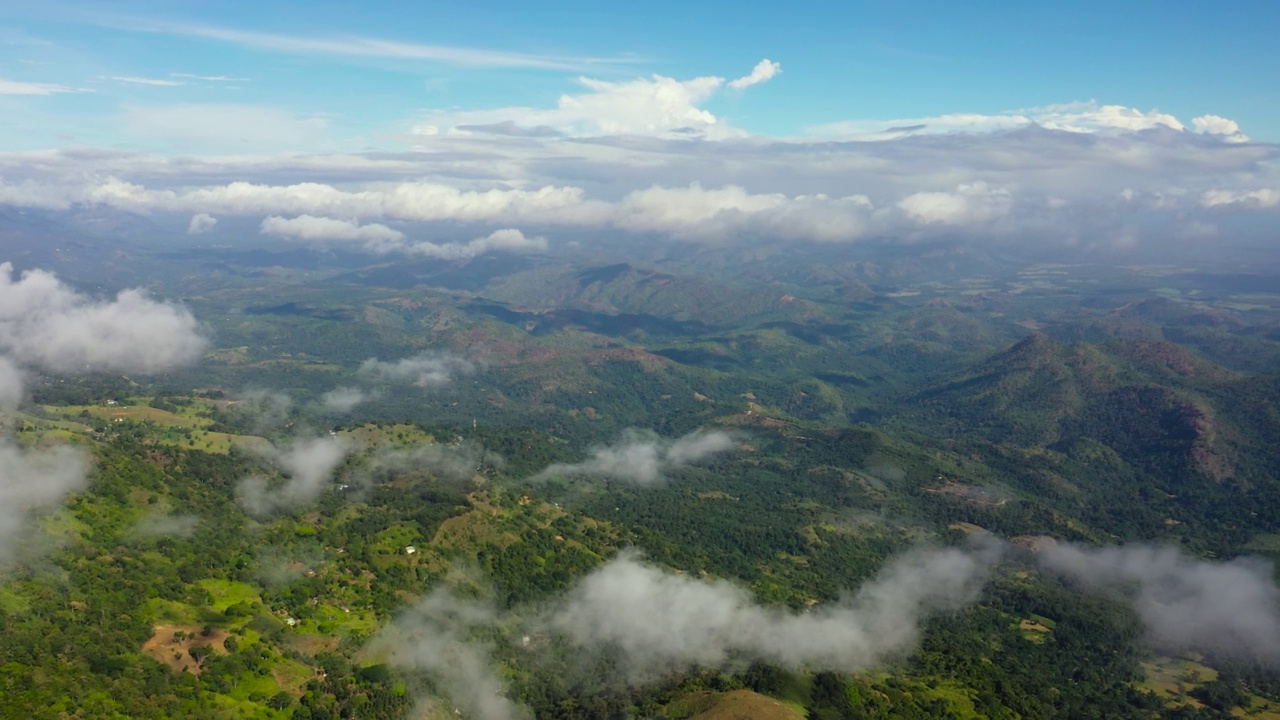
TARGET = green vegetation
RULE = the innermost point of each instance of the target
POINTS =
(874, 407)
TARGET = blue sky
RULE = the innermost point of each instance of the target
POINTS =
(841, 60)
(1097, 124)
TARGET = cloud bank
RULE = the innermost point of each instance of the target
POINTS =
(662, 622)
(644, 458)
(1228, 609)
(652, 622)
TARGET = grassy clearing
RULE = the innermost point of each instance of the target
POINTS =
(1172, 678)
(225, 593)
(172, 612)
(958, 698)
(731, 706)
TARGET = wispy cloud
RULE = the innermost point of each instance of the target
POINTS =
(644, 458)
(18, 87)
(368, 47)
(210, 78)
(155, 82)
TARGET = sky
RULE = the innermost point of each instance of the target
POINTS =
(1099, 123)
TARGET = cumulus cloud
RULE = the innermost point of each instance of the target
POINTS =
(662, 622)
(344, 399)
(424, 370)
(1051, 175)
(307, 466)
(310, 227)
(201, 223)
(1218, 125)
(1261, 198)
(45, 323)
(506, 239)
(31, 481)
(643, 458)
(717, 213)
(970, 203)
(656, 105)
(764, 70)
(1186, 605)
(435, 638)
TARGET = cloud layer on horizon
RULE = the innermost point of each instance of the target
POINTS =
(646, 156)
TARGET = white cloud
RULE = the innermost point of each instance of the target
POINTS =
(511, 171)
(17, 87)
(763, 71)
(156, 82)
(968, 204)
(354, 46)
(210, 78)
(434, 638)
(656, 105)
(201, 223)
(44, 323)
(644, 458)
(1217, 125)
(306, 464)
(1186, 604)
(1091, 117)
(660, 622)
(1261, 198)
(310, 227)
(506, 239)
(717, 213)
(1078, 117)
(344, 399)
(11, 384)
(424, 370)
(34, 480)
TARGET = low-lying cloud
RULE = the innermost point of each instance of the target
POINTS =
(650, 622)
(435, 638)
(345, 399)
(1229, 609)
(456, 462)
(661, 621)
(424, 370)
(31, 481)
(307, 465)
(12, 382)
(46, 324)
(201, 223)
(644, 458)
